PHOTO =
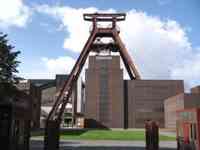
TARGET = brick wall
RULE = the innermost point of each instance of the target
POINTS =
(146, 100)
(104, 92)
(181, 101)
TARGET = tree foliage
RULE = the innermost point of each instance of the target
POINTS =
(8, 67)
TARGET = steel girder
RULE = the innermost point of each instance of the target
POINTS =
(97, 32)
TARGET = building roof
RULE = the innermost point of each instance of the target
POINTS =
(45, 110)
(41, 82)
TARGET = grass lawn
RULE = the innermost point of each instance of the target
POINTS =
(108, 135)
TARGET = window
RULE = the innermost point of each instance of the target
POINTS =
(193, 131)
(104, 112)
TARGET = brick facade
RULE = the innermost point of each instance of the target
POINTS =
(178, 102)
(146, 100)
(112, 102)
(104, 93)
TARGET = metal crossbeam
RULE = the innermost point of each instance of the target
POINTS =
(105, 17)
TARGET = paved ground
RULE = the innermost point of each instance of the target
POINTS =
(37, 144)
(168, 133)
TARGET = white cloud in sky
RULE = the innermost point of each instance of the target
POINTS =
(60, 65)
(189, 70)
(156, 46)
(13, 13)
(47, 68)
(73, 23)
(160, 48)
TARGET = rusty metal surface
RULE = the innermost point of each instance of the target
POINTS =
(188, 126)
(73, 75)
(126, 57)
(152, 135)
(105, 17)
(97, 32)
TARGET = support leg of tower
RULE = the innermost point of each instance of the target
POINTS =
(51, 137)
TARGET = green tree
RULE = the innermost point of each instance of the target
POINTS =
(8, 67)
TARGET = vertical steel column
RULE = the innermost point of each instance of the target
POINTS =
(51, 137)
(152, 135)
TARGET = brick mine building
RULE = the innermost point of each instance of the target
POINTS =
(43, 93)
(113, 102)
(106, 100)
(180, 102)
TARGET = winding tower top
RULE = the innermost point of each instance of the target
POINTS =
(97, 17)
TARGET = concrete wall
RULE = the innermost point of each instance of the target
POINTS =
(195, 90)
(80, 98)
(171, 105)
(191, 100)
(146, 100)
(48, 96)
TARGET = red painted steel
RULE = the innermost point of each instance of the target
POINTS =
(97, 32)
(186, 132)
(112, 32)
(188, 124)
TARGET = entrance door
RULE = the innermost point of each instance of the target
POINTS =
(186, 132)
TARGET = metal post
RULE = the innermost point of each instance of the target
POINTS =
(148, 135)
(155, 135)
(152, 135)
(51, 139)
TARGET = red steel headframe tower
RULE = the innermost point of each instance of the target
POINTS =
(97, 32)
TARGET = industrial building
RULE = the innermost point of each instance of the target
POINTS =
(106, 95)
(109, 101)
(44, 93)
(180, 102)
(104, 92)
(113, 102)
(146, 100)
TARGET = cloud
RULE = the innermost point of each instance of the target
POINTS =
(160, 48)
(72, 22)
(13, 13)
(156, 46)
(189, 71)
(47, 68)
(60, 65)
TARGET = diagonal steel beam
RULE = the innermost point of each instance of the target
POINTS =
(69, 82)
(75, 78)
(129, 64)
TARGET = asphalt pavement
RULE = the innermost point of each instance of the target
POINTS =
(37, 144)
